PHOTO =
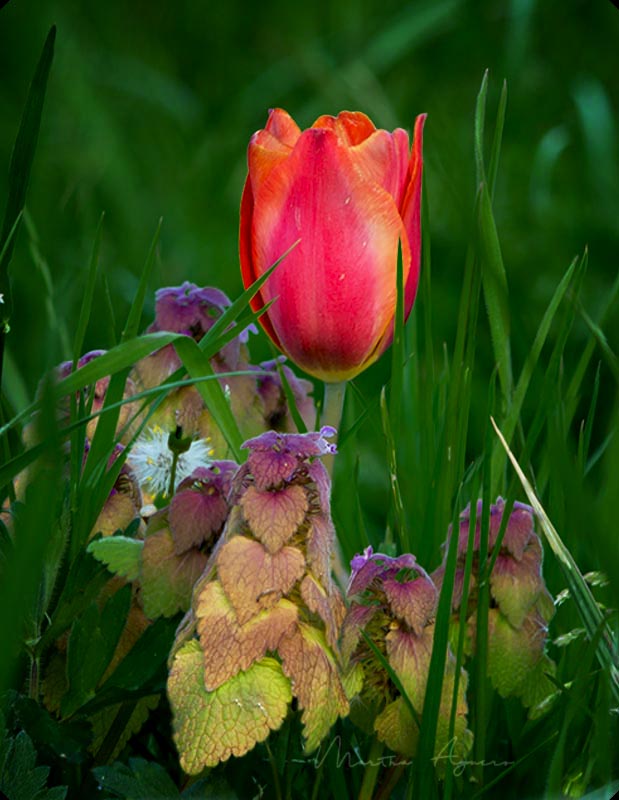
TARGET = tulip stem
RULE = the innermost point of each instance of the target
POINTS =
(332, 407)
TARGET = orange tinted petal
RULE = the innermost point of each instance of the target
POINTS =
(336, 289)
(351, 127)
(265, 151)
(411, 213)
(248, 273)
(384, 158)
(282, 126)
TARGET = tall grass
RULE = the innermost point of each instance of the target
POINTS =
(417, 443)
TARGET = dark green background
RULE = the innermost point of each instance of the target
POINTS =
(151, 104)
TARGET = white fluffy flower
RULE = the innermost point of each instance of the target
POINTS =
(152, 460)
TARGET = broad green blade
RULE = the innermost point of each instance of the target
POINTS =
(21, 165)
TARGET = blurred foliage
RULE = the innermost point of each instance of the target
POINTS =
(148, 113)
(151, 105)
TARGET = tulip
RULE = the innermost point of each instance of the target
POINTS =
(351, 196)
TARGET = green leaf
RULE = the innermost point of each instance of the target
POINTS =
(140, 780)
(144, 659)
(92, 643)
(167, 579)
(513, 413)
(198, 365)
(20, 779)
(209, 727)
(494, 282)
(120, 554)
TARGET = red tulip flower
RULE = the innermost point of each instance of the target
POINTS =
(351, 195)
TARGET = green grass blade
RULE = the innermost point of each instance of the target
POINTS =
(290, 399)
(233, 311)
(496, 142)
(110, 313)
(89, 293)
(483, 600)
(462, 625)
(424, 775)
(135, 312)
(198, 365)
(584, 439)
(480, 120)
(398, 505)
(21, 164)
(494, 281)
(512, 416)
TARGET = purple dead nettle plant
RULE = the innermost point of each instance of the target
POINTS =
(192, 311)
(276, 409)
(266, 615)
(393, 601)
(256, 398)
(520, 605)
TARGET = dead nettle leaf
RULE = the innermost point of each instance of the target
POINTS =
(167, 579)
(519, 527)
(118, 511)
(396, 727)
(308, 661)
(252, 578)
(318, 473)
(209, 727)
(229, 647)
(356, 619)
(413, 601)
(516, 585)
(370, 566)
(275, 516)
(120, 554)
(199, 508)
(513, 653)
(272, 468)
(458, 746)
(275, 457)
(319, 547)
(409, 657)
(329, 607)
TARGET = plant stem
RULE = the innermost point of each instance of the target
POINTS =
(373, 765)
(333, 405)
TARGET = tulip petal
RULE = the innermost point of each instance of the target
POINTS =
(411, 217)
(384, 159)
(248, 271)
(283, 127)
(411, 214)
(351, 127)
(336, 290)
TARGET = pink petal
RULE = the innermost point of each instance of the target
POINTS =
(346, 259)
(411, 213)
(383, 158)
(283, 127)
(351, 127)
